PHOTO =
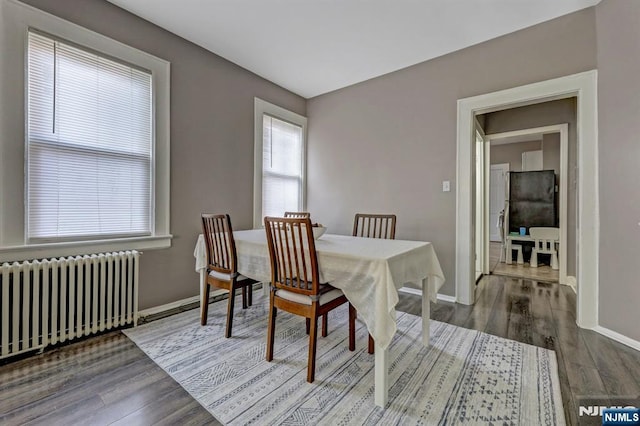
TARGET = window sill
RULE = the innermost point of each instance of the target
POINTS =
(75, 248)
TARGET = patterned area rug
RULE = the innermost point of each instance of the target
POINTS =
(464, 376)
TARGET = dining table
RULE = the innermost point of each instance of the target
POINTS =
(369, 271)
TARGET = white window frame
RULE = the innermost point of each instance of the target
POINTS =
(260, 109)
(16, 19)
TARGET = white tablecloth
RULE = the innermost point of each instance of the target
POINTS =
(369, 271)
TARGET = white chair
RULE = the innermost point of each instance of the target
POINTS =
(545, 240)
(503, 246)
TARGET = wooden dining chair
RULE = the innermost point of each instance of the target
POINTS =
(295, 283)
(297, 214)
(374, 226)
(222, 266)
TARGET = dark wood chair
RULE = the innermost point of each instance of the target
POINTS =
(304, 215)
(295, 283)
(374, 226)
(222, 266)
(297, 214)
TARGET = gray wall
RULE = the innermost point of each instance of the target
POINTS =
(403, 127)
(618, 26)
(512, 153)
(546, 114)
(211, 138)
(551, 153)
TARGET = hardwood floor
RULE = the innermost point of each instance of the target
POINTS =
(590, 366)
(108, 380)
(98, 381)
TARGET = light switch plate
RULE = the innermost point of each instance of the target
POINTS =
(446, 186)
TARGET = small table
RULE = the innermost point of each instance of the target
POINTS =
(509, 239)
(368, 270)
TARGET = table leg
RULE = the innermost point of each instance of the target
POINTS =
(381, 376)
(426, 312)
(509, 252)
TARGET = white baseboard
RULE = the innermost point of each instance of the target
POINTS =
(176, 304)
(445, 298)
(573, 283)
(618, 337)
(409, 290)
(418, 292)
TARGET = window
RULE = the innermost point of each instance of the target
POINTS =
(84, 140)
(89, 144)
(280, 161)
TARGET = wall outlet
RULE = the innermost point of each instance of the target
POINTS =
(446, 186)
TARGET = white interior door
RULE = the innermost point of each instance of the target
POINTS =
(497, 196)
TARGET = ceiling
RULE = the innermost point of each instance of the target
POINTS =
(313, 47)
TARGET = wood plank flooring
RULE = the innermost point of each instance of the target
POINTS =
(108, 380)
(543, 314)
(98, 381)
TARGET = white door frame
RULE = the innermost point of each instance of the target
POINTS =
(584, 87)
(482, 257)
(487, 195)
(563, 129)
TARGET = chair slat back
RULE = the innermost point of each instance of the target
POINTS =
(221, 247)
(292, 251)
(297, 214)
(375, 226)
(545, 238)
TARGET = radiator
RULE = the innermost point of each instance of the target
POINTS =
(49, 301)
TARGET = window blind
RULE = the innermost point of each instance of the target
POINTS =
(89, 150)
(282, 166)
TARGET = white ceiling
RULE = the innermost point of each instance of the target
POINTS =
(313, 47)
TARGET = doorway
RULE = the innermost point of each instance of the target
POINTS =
(583, 86)
(551, 145)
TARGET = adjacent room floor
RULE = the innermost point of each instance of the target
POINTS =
(541, 273)
(107, 379)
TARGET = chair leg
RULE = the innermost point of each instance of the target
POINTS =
(245, 304)
(308, 325)
(325, 324)
(313, 339)
(204, 305)
(533, 262)
(554, 261)
(250, 294)
(271, 330)
(371, 347)
(232, 300)
(352, 327)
